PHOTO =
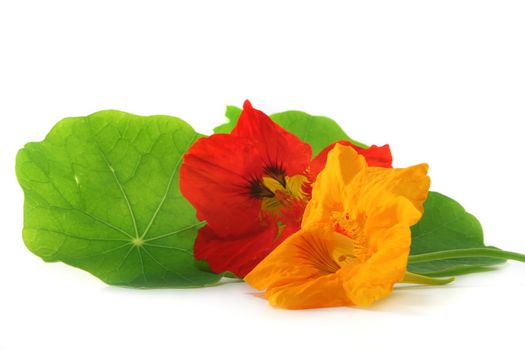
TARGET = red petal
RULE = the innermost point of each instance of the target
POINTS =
(239, 255)
(375, 156)
(277, 146)
(215, 178)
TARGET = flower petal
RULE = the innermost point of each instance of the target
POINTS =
(342, 165)
(374, 279)
(276, 146)
(324, 291)
(375, 156)
(237, 255)
(300, 272)
(391, 195)
(215, 177)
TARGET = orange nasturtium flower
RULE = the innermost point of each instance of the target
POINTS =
(354, 239)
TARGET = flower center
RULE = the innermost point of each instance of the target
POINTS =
(352, 243)
(279, 192)
(285, 193)
(283, 198)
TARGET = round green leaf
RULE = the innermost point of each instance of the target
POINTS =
(102, 194)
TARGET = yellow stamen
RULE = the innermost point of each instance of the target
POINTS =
(284, 193)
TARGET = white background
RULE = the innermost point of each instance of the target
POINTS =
(442, 82)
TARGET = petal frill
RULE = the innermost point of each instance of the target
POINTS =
(392, 200)
(277, 147)
(215, 177)
(374, 279)
(376, 156)
(389, 196)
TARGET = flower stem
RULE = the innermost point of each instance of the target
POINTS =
(466, 253)
(420, 279)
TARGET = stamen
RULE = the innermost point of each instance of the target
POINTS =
(283, 198)
(351, 226)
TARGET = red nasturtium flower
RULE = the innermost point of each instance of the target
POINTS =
(251, 187)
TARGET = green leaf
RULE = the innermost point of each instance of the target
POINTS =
(446, 225)
(102, 194)
(317, 131)
(232, 114)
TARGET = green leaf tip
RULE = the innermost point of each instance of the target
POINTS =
(446, 225)
(414, 278)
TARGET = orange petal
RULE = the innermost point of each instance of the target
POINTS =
(389, 196)
(374, 279)
(301, 272)
(343, 164)
(324, 291)
(294, 260)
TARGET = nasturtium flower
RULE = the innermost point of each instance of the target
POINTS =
(354, 239)
(251, 187)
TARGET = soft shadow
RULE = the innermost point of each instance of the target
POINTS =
(399, 302)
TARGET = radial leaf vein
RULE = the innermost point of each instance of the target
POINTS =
(187, 251)
(165, 268)
(173, 233)
(141, 260)
(125, 257)
(108, 251)
(119, 184)
(74, 236)
(166, 192)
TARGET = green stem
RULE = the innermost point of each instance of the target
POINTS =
(466, 253)
(420, 279)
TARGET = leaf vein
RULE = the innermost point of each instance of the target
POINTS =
(168, 187)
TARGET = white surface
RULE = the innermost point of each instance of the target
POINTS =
(441, 81)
